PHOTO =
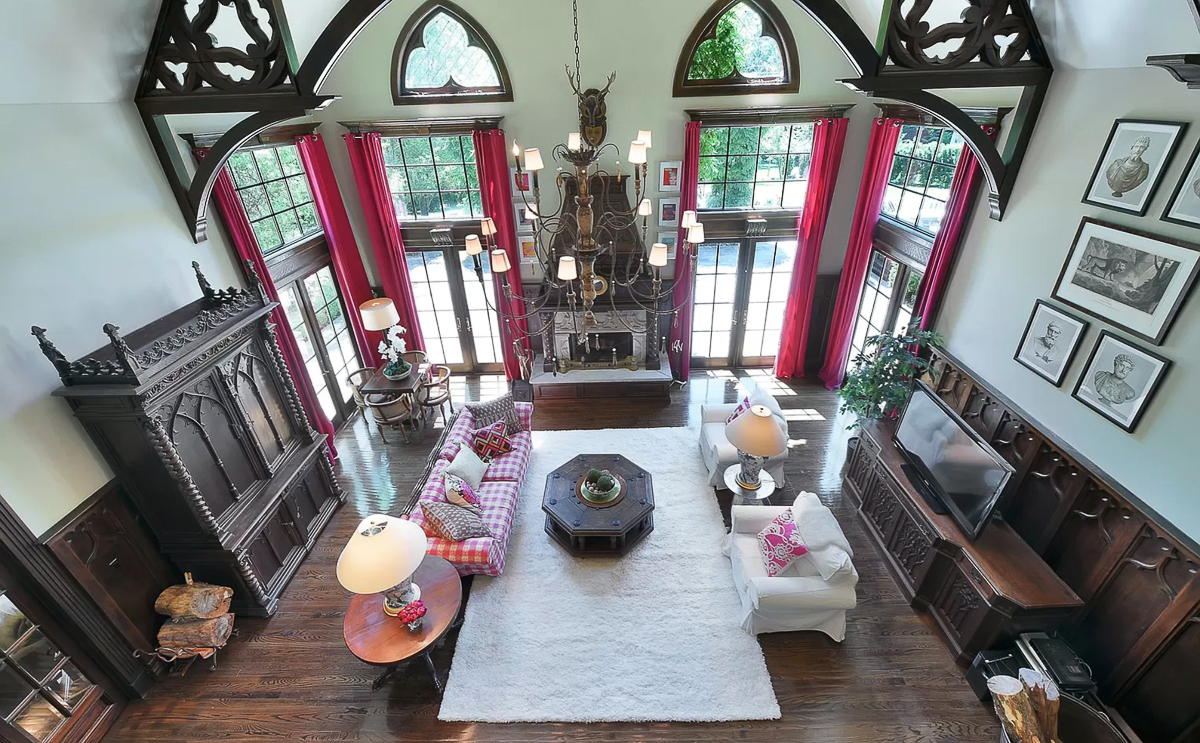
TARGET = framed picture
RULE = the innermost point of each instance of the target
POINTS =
(668, 212)
(522, 181)
(1120, 379)
(1049, 342)
(524, 226)
(668, 176)
(527, 244)
(671, 240)
(1130, 279)
(1184, 206)
(1133, 162)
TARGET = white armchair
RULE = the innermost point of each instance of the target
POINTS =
(719, 454)
(801, 598)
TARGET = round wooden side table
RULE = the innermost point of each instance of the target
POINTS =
(380, 640)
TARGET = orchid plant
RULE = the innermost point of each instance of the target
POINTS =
(392, 348)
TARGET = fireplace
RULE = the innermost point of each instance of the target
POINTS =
(618, 339)
(592, 348)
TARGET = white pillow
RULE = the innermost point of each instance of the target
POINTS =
(828, 550)
(468, 466)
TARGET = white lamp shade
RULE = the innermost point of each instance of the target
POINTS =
(688, 219)
(645, 136)
(696, 234)
(637, 152)
(531, 214)
(567, 268)
(646, 208)
(757, 433)
(474, 247)
(658, 255)
(379, 314)
(574, 142)
(487, 226)
(382, 553)
(500, 262)
(533, 159)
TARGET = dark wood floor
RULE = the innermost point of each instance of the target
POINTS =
(291, 676)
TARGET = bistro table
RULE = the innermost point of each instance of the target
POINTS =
(381, 385)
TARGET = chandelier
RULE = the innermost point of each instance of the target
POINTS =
(569, 241)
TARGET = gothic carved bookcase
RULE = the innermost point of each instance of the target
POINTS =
(199, 417)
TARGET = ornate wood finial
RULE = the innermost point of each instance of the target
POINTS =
(205, 288)
(124, 353)
(255, 282)
(51, 352)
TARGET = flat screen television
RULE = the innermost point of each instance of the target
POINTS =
(950, 462)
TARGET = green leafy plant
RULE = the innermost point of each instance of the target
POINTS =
(881, 382)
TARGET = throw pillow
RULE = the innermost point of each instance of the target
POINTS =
(780, 543)
(490, 442)
(462, 494)
(828, 550)
(452, 523)
(468, 466)
(742, 407)
(502, 408)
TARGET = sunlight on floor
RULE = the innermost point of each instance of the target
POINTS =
(793, 443)
(803, 414)
(765, 378)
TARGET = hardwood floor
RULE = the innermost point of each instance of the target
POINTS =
(291, 676)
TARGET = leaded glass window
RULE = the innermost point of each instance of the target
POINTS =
(754, 167)
(273, 188)
(739, 47)
(442, 54)
(922, 172)
(433, 177)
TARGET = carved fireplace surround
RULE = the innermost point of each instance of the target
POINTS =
(561, 331)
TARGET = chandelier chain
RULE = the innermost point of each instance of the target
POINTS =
(575, 18)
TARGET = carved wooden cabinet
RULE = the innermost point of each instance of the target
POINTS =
(199, 417)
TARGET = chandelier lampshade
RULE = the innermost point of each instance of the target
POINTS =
(500, 262)
(645, 136)
(658, 255)
(379, 314)
(687, 219)
(637, 152)
(487, 227)
(567, 269)
(646, 208)
(574, 142)
(696, 234)
(474, 247)
(533, 159)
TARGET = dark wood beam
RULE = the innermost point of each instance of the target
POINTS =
(767, 114)
(424, 126)
(1183, 67)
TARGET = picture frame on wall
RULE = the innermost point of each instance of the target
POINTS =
(527, 248)
(524, 226)
(522, 181)
(671, 240)
(1184, 204)
(1133, 280)
(1050, 341)
(1132, 164)
(1120, 380)
(668, 212)
(670, 173)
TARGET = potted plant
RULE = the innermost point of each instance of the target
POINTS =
(600, 486)
(392, 348)
(881, 382)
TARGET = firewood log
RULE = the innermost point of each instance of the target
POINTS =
(1015, 710)
(194, 601)
(197, 633)
(1043, 693)
(1050, 722)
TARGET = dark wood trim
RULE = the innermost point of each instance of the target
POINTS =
(423, 127)
(477, 36)
(275, 135)
(903, 243)
(765, 115)
(1183, 67)
(914, 115)
(774, 26)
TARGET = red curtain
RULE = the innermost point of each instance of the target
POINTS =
(829, 136)
(238, 226)
(680, 336)
(491, 158)
(366, 158)
(884, 134)
(963, 189)
(343, 248)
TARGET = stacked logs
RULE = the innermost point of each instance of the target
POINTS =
(199, 616)
(1027, 707)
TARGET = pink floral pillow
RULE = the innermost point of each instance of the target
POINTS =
(780, 543)
(742, 407)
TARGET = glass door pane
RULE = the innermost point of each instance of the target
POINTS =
(336, 338)
(307, 341)
(875, 305)
(435, 307)
(908, 301)
(766, 300)
(714, 302)
(482, 326)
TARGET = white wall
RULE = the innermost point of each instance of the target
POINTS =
(1004, 266)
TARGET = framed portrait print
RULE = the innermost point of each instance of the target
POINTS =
(1119, 380)
(671, 240)
(524, 226)
(1184, 206)
(668, 212)
(522, 181)
(668, 176)
(1049, 342)
(1130, 279)
(1132, 164)
(527, 245)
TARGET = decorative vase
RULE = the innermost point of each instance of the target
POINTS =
(397, 370)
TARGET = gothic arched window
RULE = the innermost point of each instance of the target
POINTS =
(444, 56)
(739, 47)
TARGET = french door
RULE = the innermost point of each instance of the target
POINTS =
(888, 298)
(460, 328)
(741, 291)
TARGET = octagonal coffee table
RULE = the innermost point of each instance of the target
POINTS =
(584, 528)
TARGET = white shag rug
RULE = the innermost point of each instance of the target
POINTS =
(650, 636)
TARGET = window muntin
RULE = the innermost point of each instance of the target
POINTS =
(888, 298)
(274, 191)
(754, 167)
(433, 177)
(446, 58)
(922, 171)
(738, 47)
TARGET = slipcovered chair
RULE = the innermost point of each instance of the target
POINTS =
(719, 454)
(814, 592)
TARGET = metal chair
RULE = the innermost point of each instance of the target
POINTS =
(394, 411)
(416, 358)
(356, 379)
(434, 393)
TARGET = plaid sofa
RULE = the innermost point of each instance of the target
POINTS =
(497, 495)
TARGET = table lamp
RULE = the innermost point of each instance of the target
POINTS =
(379, 314)
(757, 435)
(381, 557)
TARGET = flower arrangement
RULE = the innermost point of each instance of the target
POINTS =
(412, 615)
(391, 348)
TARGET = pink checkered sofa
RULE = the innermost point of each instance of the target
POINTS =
(497, 495)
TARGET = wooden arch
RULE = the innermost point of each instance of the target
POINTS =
(410, 39)
(900, 68)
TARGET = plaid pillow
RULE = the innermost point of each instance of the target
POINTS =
(502, 408)
(452, 523)
(461, 494)
(490, 442)
(742, 407)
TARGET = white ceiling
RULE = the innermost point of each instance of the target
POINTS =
(70, 51)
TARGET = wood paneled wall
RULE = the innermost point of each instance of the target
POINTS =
(1138, 576)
